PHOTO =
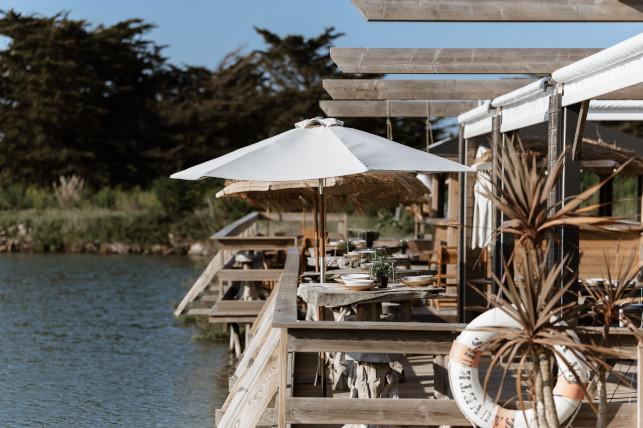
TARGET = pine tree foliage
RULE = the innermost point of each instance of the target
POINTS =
(103, 103)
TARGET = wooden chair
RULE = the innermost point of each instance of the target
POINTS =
(445, 259)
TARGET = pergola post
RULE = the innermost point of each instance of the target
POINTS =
(606, 197)
(497, 250)
(562, 131)
(462, 229)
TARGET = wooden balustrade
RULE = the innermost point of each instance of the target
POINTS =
(388, 337)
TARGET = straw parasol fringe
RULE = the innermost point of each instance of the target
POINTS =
(382, 190)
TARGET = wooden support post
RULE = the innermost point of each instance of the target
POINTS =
(496, 143)
(440, 195)
(554, 131)
(462, 258)
(606, 197)
(562, 132)
(441, 387)
(639, 387)
(570, 188)
(639, 199)
(640, 217)
(283, 376)
(580, 130)
(235, 340)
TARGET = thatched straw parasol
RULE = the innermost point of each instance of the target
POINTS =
(383, 190)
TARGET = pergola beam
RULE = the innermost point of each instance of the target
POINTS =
(352, 108)
(363, 89)
(465, 89)
(502, 10)
(538, 61)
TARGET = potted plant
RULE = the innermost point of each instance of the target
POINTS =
(381, 269)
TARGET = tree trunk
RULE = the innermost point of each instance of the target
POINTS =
(538, 395)
(548, 391)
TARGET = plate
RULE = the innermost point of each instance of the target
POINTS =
(417, 281)
(358, 284)
(359, 287)
(350, 276)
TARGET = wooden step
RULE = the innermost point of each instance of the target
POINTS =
(236, 311)
(249, 274)
(199, 312)
(237, 307)
(209, 298)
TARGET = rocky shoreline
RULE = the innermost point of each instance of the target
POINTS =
(18, 239)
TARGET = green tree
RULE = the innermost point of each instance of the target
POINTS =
(103, 103)
(77, 99)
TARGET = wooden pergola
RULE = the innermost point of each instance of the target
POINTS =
(561, 92)
(483, 105)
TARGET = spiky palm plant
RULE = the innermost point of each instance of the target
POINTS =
(606, 301)
(536, 301)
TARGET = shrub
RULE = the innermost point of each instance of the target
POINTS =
(12, 197)
(177, 197)
(38, 198)
(47, 237)
(105, 198)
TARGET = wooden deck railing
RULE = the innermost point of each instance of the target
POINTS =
(388, 337)
(245, 226)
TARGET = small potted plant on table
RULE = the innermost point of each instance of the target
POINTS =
(381, 269)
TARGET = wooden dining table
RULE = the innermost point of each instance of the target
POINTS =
(398, 272)
(373, 374)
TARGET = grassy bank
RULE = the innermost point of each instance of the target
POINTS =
(171, 217)
(166, 219)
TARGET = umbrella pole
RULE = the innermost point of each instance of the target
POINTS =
(322, 233)
(316, 234)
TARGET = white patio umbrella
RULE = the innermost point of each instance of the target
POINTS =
(318, 149)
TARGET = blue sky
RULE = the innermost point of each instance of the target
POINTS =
(201, 32)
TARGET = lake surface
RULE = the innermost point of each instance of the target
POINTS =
(90, 341)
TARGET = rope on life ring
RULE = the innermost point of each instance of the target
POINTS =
(479, 408)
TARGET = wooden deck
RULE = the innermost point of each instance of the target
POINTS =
(424, 397)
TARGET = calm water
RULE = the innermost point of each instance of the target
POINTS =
(90, 341)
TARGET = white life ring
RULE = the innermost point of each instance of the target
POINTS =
(464, 360)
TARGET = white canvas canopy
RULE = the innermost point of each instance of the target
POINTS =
(319, 148)
(597, 75)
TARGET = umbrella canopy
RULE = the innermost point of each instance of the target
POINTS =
(319, 148)
(370, 189)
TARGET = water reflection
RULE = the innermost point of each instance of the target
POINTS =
(89, 341)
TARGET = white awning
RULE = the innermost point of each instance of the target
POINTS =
(615, 110)
(525, 106)
(609, 70)
(476, 121)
